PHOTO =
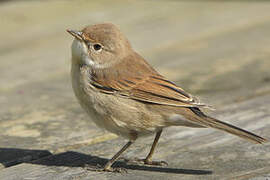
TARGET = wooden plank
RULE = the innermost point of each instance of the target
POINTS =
(191, 153)
(215, 50)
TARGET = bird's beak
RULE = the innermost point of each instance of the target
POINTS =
(76, 34)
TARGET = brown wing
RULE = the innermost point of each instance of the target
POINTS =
(141, 82)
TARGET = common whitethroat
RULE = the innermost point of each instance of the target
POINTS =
(125, 95)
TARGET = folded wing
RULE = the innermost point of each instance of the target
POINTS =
(141, 82)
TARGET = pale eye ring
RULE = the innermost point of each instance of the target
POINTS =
(97, 47)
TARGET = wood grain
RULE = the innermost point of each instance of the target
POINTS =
(216, 50)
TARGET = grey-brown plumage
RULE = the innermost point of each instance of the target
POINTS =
(125, 95)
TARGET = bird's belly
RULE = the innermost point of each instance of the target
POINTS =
(119, 116)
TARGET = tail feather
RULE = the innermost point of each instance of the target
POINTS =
(214, 123)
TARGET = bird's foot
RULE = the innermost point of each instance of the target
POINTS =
(146, 162)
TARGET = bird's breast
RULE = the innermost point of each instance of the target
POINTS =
(117, 114)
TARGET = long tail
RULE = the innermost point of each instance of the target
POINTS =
(214, 123)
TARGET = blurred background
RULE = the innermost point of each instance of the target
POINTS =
(217, 50)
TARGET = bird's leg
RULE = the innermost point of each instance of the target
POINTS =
(148, 159)
(108, 165)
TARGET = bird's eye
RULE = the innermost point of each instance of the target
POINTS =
(97, 47)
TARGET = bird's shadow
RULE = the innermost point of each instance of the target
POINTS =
(8, 157)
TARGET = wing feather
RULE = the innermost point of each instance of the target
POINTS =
(145, 85)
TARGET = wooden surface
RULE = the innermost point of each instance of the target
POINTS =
(219, 51)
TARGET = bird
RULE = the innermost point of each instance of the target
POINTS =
(125, 95)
